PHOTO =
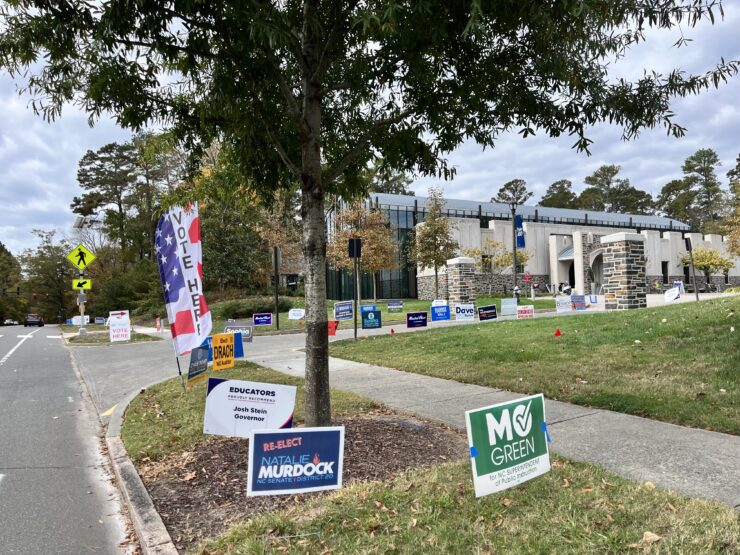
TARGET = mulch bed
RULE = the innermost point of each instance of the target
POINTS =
(200, 493)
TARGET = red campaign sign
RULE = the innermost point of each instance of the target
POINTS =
(333, 325)
(527, 277)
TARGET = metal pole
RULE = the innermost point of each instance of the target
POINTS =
(356, 292)
(693, 271)
(513, 243)
(277, 282)
(179, 371)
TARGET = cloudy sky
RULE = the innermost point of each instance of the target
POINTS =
(38, 160)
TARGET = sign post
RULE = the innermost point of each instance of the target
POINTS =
(81, 257)
(689, 248)
(508, 444)
(355, 252)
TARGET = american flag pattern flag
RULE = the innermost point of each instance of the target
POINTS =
(179, 255)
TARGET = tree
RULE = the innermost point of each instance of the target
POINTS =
(560, 195)
(49, 275)
(604, 182)
(108, 175)
(433, 244)
(514, 191)
(591, 198)
(677, 199)
(384, 179)
(630, 200)
(314, 90)
(11, 304)
(708, 260)
(379, 251)
(732, 228)
(493, 258)
(699, 169)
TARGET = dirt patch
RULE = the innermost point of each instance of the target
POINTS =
(200, 493)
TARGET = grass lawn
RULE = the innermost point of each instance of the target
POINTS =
(677, 363)
(167, 419)
(103, 338)
(69, 328)
(541, 304)
(576, 508)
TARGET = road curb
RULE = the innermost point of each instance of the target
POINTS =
(153, 535)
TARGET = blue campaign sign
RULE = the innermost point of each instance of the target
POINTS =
(579, 302)
(367, 308)
(395, 306)
(440, 313)
(263, 319)
(416, 319)
(297, 460)
(371, 320)
(343, 310)
(238, 346)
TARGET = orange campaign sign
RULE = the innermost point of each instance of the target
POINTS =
(223, 351)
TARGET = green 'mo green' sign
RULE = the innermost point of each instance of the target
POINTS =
(508, 444)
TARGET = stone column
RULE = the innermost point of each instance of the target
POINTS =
(625, 284)
(461, 280)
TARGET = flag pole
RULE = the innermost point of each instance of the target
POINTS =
(179, 371)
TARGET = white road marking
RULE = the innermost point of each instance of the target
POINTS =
(70, 399)
(50, 336)
(23, 339)
(1, 478)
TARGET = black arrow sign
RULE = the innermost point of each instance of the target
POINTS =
(81, 283)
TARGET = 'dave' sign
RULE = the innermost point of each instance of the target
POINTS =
(235, 408)
(508, 444)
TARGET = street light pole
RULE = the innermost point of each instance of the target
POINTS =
(512, 205)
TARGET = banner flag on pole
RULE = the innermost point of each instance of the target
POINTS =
(519, 232)
(179, 255)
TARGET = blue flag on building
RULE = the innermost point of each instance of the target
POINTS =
(519, 232)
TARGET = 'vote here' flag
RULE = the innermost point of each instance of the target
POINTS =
(179, 255)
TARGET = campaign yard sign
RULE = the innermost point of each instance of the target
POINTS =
(332, 326)
(246, 331)
(371, 320)
(563, 304)
(343, 310)
(99, 320)
(579, 302)
(487, 312)
(672, 294)
(222, 349)
(525, 311)
(262, 319)
(395, 306)
(296, 314)
(367, 308)
(439, 302)
(416, 319)
(508, 307)
(235, 408)
(440, 313)
(300, 460)
(508, 444)
(198, 366)
(465, 312)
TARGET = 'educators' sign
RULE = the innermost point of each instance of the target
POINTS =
(508, 444)
(235, 408)
(293, 461)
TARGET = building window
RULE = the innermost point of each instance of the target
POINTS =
(686, 274)
(664, 270)
(519, 268)
(727, 277)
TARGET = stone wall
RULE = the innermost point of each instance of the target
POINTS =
(718, 283)
(625, 285)
(425, 286)
(500, 284)
(461, 280)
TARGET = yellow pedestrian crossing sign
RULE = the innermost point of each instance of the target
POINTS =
(81, 257)
(82, 284)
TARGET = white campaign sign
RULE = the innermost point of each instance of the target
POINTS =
(439, 302)
(119, 330)
(563, 304)
(78, 321)
(235, 408)
(672, 294)
(465, 312)
(296, 314)
(508, 307)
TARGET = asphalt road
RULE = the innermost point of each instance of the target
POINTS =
(55, 491)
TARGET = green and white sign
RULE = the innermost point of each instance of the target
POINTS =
(508, 444)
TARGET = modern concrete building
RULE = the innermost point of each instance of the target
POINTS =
(564, 247)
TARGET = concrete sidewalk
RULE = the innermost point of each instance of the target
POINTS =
(694, 462)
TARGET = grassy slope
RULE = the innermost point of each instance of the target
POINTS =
(167, 419)
(675, 373)
(576, 508)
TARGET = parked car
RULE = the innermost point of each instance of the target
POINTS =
(8, 323)
(33, 320)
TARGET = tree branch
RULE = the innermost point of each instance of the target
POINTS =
(331, 39)
(361, 145)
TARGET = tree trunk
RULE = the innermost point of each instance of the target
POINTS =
(318, 403)
(375, 287)
(436, 282)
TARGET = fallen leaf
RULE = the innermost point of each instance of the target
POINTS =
(506, 501)
(413, 522)
(499, 521)
(378, 504)
(649, 486)
(609, 518)
(566, 483)
(189, 476)
(408, 486)
(587, 490)
(670, 507)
